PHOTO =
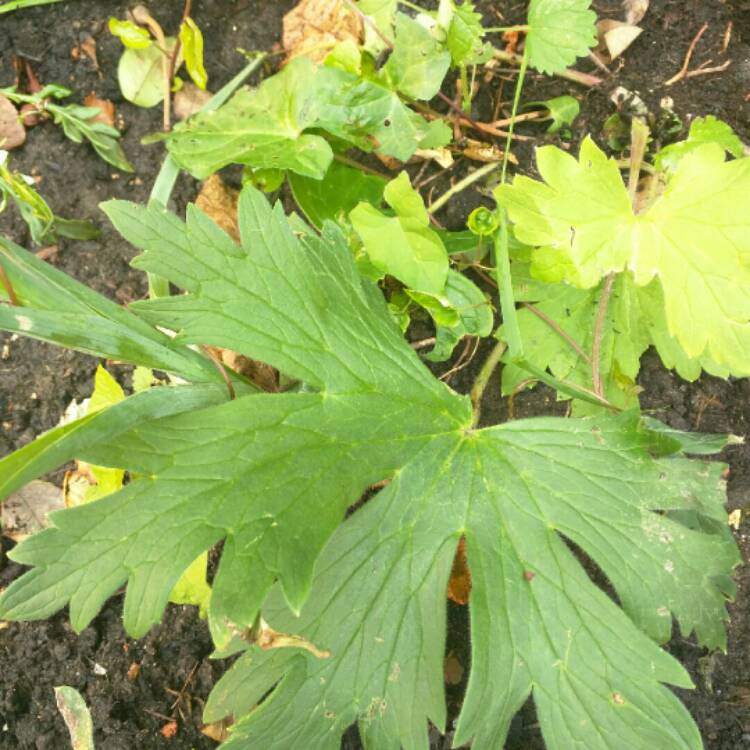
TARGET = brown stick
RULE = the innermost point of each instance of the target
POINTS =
(682, 73)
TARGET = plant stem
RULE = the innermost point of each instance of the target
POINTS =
(585, 79)
(506, 29)
(574, 345)
(461, 185)
(167, 177)
(369, 22)
(343, 159)
(601, 314)
(483, 378)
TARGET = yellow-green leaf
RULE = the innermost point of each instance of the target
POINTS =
(192, 48)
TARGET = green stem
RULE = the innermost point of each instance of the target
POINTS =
(480, 384)
(167, 177)
(504, 29)
(461, 185)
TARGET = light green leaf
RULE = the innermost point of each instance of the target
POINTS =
(562, 111)
(403, 245)
(192, 49)
(129, 33)
(702, 130)
(274, 475)
(77, 718)
(333, 197)
(140, 74)
(465, 35)
(693, 239)
(266, 127)
(418, 63)
(381, 12)
(192, 588)
(560, 31)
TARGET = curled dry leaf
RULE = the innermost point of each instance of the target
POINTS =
(189, 100)
(25, 512)
(485, 152)
(635, 10)
(12, 132)
(441, 156)
(106, 107)
(615, 37)
(314, 27)
(265, 637)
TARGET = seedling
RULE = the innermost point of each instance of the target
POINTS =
(339, 605)
(79, 123)
(43, 225)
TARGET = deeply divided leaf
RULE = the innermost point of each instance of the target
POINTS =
(360, 603)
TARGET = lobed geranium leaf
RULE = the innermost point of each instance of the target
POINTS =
(693, 239)
(267, 127)
(359, 634)
(560, 31)
(702, 130)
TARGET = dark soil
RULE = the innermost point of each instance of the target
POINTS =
(38, 381)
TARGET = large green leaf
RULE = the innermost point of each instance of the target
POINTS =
(273, 475)
(560, 31)
(694, 239)
(266, 128)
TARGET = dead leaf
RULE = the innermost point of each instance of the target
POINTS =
(87, 48)
(219, 201)
(169, 730)
(133, 671)
(314, 27)
(25, 511)
(453, 670)
(12, 132)
(635, 10)
(107, 108)
(218, 731)
(189, 100)
(441, 156)
(735, 518)
(485, 152)
(615, 37)
(459, 584)
(76, 485)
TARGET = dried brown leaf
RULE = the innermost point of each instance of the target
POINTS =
(12, 132)
(189, 100)
(615, 37)
(219, 201)
(217, 731)
(635, 10)
(106, 107)
(314, 27)
(459, 584)
(25, 512)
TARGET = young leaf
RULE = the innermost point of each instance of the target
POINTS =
(266, 127)
(562, 110)
(381, 12)
(403, 245)
(560, 31)
(465, 34)
(418, 63)
(693, 239)
(275, 474)
(140, 73)
(129, 33)
(333, 197)
(702, 130)
(192, 49)
(473, 311)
